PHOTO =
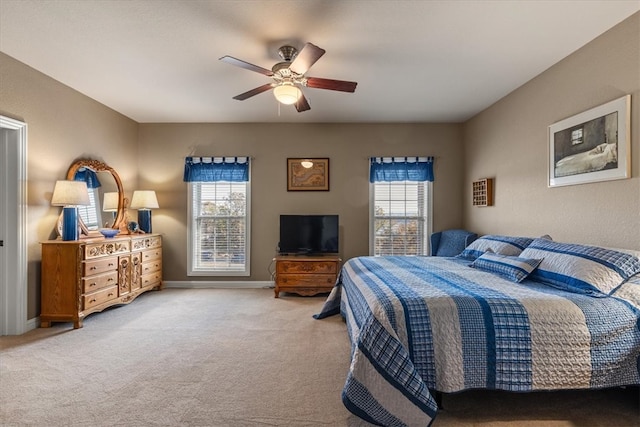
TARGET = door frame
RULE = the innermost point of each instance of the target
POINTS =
(13, 227)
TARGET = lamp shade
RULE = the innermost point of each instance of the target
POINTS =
(110, 201)
(144, 199)
(287, 93)
(70, 193)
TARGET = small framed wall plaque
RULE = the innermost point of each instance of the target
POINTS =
(483, 192)
(308, 174)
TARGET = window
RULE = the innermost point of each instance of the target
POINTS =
(577, 136)
(89, 214)
(219, 226)
(400, 213)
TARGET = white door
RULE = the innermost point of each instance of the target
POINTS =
(4, 174)
(13, 226)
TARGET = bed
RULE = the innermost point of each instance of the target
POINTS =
(509, 313)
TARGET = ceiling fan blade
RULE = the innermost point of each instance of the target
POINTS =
(302, 104)
(247, 66)
(340, 85)
(308, 56)
(253, 92)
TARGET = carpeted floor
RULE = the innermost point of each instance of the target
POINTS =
(219, 357)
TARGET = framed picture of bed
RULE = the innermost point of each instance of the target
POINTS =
(592, 146)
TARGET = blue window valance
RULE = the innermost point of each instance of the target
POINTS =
(89, 176)
(390, 169)
(212, 169)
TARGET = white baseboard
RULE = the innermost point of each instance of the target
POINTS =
(33, 323)
(198, 284)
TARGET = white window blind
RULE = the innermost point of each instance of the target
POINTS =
(401, 222)
(89, 214)
(219, 228)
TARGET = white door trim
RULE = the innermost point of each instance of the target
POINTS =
(13, 275)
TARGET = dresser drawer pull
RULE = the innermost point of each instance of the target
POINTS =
(92, 284)
(110, 294)
(110, 279)
(93, 268)
(111, 264)
(92, 300)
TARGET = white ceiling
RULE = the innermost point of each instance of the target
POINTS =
(414, 61)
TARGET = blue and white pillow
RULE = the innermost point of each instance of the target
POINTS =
(503, 245)
(513, 268)
(629, 291)
(590, 270)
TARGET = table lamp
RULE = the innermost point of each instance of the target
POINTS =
(144, 201)
(70, 194)
(110, 202)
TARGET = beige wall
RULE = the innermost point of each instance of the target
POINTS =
(63, 125)
(348, 146)
(508, 142)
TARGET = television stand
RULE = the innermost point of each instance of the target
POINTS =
(306, 274)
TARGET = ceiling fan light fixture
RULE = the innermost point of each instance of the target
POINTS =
(287, 93)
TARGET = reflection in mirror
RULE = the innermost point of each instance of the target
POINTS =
(109, 205)
(106, 195)
(94, 215)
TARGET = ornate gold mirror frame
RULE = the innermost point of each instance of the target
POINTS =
(98, 166)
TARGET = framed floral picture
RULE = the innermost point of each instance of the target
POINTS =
(592, 146)
(307, 174)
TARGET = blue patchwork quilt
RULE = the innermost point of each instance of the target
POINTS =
(424, 324)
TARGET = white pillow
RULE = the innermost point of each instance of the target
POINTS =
(503, 245)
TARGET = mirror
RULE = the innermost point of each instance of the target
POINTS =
(102, 182)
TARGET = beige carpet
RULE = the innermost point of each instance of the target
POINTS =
(214, 357)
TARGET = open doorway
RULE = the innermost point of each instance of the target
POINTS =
(13, 226)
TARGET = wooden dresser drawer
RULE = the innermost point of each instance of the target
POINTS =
(305, 280)
(149, 242)
(107, 247)
(151, 279)
(153, 242)
(316, 267)
(99, 265)
(152, 266)
(99, 281)
(151, 255)
(102, 296)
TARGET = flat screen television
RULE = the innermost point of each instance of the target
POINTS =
(308, 234)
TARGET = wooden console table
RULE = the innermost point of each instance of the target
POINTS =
(306, 275)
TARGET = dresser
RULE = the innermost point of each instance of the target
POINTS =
(85, 276)
(306, 275)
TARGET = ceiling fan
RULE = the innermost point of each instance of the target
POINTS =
(289, 75)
